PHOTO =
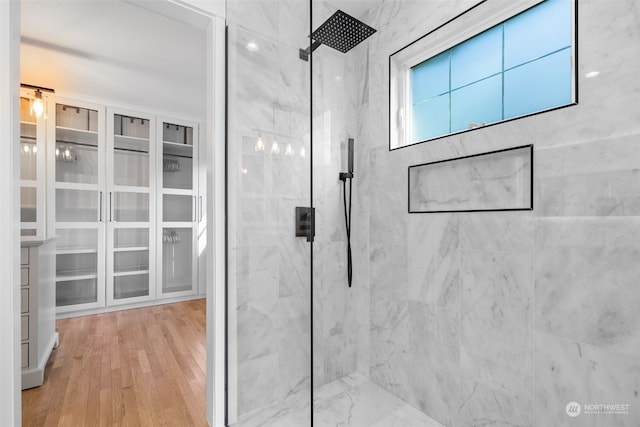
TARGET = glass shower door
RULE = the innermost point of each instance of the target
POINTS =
(268, 148)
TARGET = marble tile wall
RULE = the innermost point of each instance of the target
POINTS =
(268, 267)
(341, 325)
(503, 318)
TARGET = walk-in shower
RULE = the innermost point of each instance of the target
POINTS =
(452, 319)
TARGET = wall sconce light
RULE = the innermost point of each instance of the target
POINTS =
(275, 148)
(259, 144)
(289, 150)
(38, 107)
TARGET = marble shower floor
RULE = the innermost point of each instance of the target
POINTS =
(350, 401)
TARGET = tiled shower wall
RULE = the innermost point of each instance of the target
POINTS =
(269, 276)
(268, 267)
(503, 318)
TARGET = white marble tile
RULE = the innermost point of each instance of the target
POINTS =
(608, 35)
(496, 337)
(484, 406)
(431, 365)
(606, 194)
(586, 280)
(497, 231)
(569, 371)
(407, 416)
(257, 335)
(256, 378)
(356, 406)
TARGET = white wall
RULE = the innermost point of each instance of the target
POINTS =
(10, 399)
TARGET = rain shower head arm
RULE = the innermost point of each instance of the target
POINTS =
(304, 53)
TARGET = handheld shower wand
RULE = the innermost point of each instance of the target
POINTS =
(344, 176)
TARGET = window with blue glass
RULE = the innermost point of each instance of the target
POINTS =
(519, 67)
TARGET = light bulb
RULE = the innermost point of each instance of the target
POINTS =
(57, 152)
(289, 150)
(252, 46)
(259, 144)
(25, 148)
(303, 153)
(37, 107)
(34, 149)
(275, 148)
(67, 153)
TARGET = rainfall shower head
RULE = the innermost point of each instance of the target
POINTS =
(341, 31)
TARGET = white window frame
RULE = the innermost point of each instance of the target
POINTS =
(470, 23)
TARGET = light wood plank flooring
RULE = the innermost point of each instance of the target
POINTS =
(142, 367)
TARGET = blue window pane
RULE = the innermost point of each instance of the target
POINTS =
(476, 104)
(536, 32)
(477, 58)
(431, 118)
(538, 85)
(430, 78)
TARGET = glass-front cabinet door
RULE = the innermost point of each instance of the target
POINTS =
(79, 197)
(33, 136)
(131, 202)
(179, 207)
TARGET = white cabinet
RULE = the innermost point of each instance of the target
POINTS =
(33, 142)
(179, 208)
(131, 207)
(80, 187)
(38, 335)
(127, 207)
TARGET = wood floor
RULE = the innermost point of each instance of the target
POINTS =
(142, 367)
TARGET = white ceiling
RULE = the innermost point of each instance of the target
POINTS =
(115, 50)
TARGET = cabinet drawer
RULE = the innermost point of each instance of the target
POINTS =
(24, 256)
(25, 328)
(24, 276)
(25, 355)
(24, 301)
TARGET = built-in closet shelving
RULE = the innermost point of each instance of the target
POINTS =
(180, 208)
(80, 188)
(127, 206)
(32, 166)
(131, 206)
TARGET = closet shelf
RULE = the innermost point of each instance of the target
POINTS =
(176, 149)
(131, 271)
(131, 248)
(76, 136)
(131, 143)
(66, 276)
(76, 251)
